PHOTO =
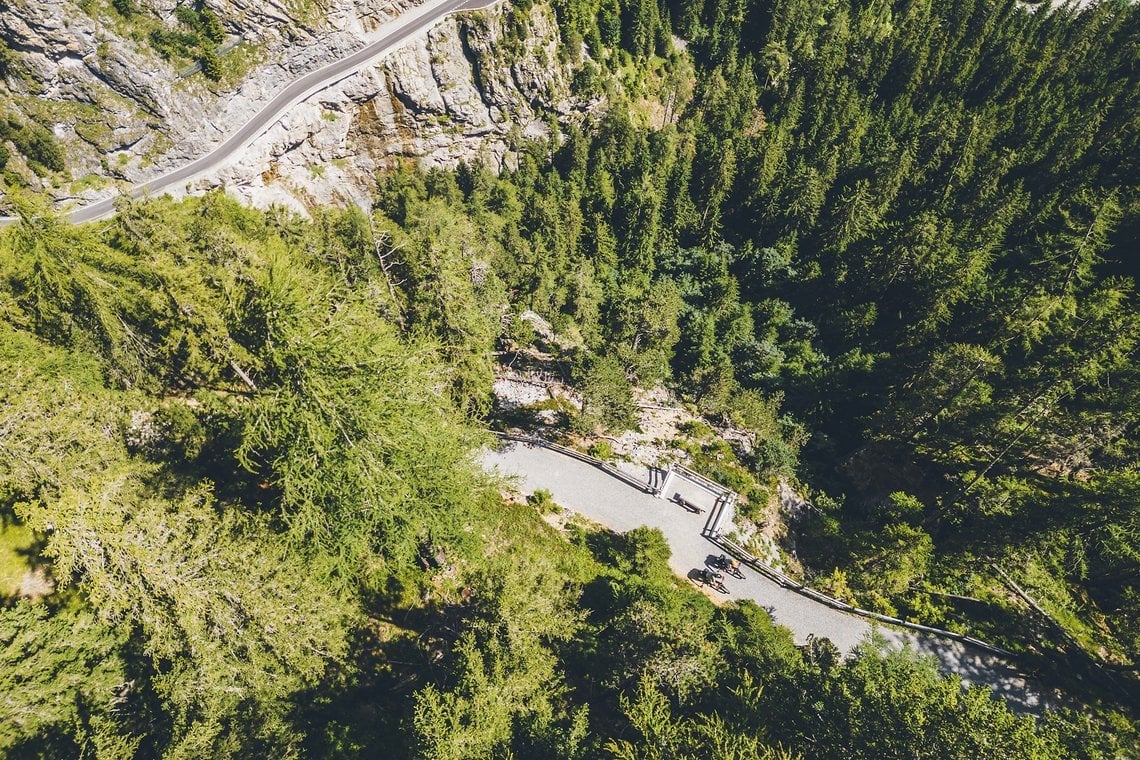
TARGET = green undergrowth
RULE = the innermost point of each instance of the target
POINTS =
(193, 38)
(715, 458)
(34, 142)
(253, 457)
(17, 544)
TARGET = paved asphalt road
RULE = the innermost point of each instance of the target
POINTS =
(609, 501)
(405, 26)
(576, 485)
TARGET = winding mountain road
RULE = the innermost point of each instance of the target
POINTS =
(575, 484)
(395, 33)
(605, 499)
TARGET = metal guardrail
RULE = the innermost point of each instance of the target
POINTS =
(701, 480)
(756, 564)
(594, 461)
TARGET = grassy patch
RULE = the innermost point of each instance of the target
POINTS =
(236, 63)
(509, 532)
(159, 144)
(16, 545)
(197, 37)
(528, 417)
(306, 11)
(697, 429)
(94, 123)
(128, 21)
(88, 182)
(95, 133)
(1068, 608)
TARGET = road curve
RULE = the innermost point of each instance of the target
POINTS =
(607, 500)
(404, 27)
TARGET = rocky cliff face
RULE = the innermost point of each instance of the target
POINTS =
(454, 94)
(461, 91)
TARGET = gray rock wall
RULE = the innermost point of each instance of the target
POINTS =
(458, 92)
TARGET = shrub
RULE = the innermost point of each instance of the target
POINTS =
(607, 397)
(211, 26)
(35, 142)
(775, 457)
(521, 332)
(601, 450)
(125, 8)
(187, 15)
(696, 429)
(835, 585)
(211, 65)
(8, 61)
(543, 501)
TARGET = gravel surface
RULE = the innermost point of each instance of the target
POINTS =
(592, 493)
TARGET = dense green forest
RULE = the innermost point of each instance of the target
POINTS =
(895, 240)
(251, 474)
(910, 226)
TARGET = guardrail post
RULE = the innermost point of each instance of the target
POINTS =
(712, 526)
(722, 505)
(663, 492)
(711, 521)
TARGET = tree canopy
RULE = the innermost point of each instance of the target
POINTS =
(891, 240)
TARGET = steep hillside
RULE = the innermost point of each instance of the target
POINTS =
(116, 93)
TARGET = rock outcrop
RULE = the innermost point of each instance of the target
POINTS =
(461, 91)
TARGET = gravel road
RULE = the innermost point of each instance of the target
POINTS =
(605, 499)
